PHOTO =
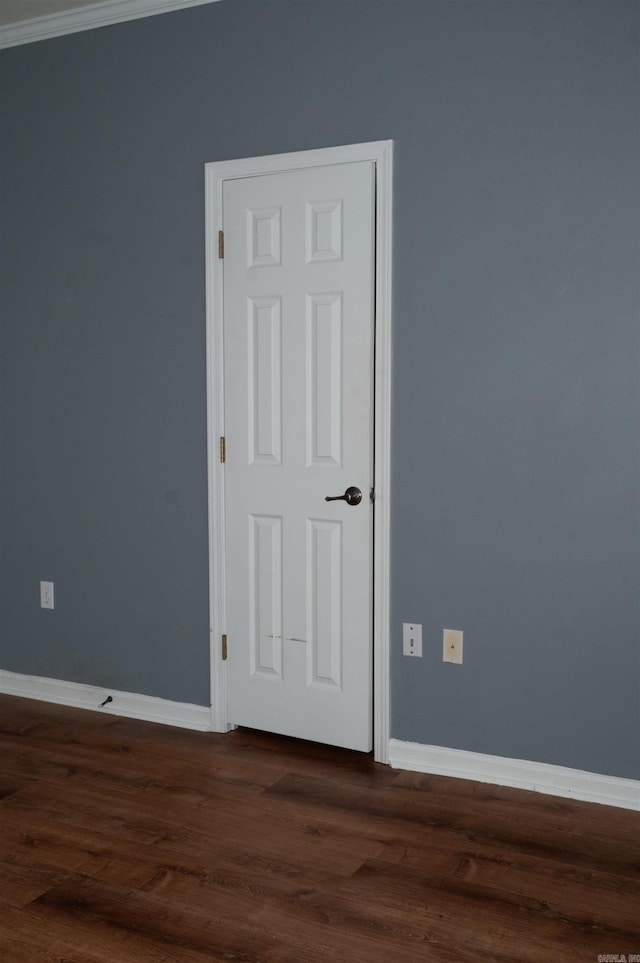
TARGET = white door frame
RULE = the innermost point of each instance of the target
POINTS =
(216, 173)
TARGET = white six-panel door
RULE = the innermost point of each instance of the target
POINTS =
(298, 324)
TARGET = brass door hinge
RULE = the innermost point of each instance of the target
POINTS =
(223, 450)
(224, 648)
(220, 244)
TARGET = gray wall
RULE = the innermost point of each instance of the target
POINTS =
(516, 345)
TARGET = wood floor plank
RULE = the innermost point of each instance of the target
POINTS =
(611, 823)
(526, 832)
(93, 905)
(23, 879)
(45, 841)
(489, 919)
(587, 898)
(192, 829)
(579, 893)
(20, 765)
(124, 841)
(25, 937)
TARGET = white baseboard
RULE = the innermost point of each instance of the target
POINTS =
(129, 704)
(518, 773)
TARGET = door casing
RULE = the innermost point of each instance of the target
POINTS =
(216, 173)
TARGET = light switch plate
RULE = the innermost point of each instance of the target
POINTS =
(412, 639)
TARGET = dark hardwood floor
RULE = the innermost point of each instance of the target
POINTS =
(127, 842)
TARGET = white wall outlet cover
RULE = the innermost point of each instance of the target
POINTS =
(452, 646)
(46, 595)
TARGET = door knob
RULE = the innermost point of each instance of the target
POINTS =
(352, 496)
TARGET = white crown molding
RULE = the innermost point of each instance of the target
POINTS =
(129, 704)
(517, 773)
(88, 18)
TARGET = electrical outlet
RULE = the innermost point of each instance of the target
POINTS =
(46, 595)
(412, 639)
(452, 646)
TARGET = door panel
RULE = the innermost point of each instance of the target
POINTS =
(298, 346)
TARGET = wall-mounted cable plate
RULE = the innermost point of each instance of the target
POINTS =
(452, 645)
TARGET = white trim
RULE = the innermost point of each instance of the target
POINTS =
(382, 455)
(518, 773)
(381, 153)
(215, 429)
(87, 18)
(129, 704)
